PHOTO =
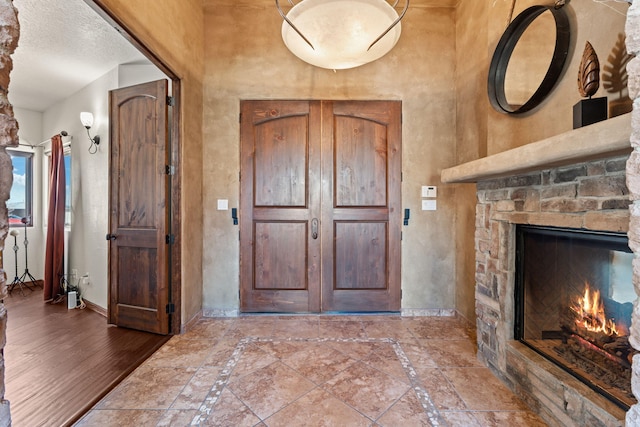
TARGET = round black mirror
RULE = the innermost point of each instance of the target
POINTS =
(534, 31)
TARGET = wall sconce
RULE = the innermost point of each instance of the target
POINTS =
(87, 121)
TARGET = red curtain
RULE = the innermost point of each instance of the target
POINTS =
(54, 255)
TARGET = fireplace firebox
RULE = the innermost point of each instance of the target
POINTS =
(573, 304)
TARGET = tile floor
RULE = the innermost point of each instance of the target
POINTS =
(315, 371)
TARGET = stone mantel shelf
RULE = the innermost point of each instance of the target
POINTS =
(604, 139)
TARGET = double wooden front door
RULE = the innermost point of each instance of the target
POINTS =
(320, 206)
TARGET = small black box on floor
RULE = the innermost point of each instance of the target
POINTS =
(589, 111)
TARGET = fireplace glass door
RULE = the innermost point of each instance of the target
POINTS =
(574, 300)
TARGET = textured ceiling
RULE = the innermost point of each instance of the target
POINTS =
(64, 45)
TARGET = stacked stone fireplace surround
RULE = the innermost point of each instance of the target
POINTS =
(590, 195)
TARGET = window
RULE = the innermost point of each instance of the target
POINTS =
(20, 201)
(67, 186)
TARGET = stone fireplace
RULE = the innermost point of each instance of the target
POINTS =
(590, 195)
(574, 302)
(574, 181)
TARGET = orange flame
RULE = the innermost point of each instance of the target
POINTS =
(591, 316)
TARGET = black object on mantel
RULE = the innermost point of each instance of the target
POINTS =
(589, 111)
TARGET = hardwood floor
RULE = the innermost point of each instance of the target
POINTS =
(60, 362)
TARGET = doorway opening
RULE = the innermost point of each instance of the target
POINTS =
(173, 214)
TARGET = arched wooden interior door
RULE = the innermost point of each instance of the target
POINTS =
(139, 209)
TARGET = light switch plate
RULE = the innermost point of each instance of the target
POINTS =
(428, 205)
(223, 204)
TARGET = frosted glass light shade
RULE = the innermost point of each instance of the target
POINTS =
(86, 119)
(341, 32)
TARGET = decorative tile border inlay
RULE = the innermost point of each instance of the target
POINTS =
(435, 418)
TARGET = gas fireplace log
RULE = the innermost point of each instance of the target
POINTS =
(598, 338)
(570, 323)
(619, 344)
(616, 347)
(581, 344)
(621, 348)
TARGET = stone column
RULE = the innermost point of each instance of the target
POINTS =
(9, 33)
(633, 183)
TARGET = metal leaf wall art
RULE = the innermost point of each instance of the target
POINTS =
(589, 72)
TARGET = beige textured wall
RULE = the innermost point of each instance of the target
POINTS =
(601, 23)
(245, 58)
(174, 32)
(471, 142)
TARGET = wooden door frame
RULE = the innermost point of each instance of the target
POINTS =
(175, 192)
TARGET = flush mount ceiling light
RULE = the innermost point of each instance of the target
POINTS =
(341, 34)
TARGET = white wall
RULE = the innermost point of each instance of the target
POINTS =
(89, 181)
(133, 74)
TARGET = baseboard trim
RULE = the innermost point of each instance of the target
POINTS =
(95, 307)
(191, 323)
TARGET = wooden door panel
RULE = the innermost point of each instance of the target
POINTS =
(281, 162)
(131, 260)
(281, 256)
(136, 307)
(137, 189)
(279, 198)
(360, 162)
(139, 258)
(361, 255)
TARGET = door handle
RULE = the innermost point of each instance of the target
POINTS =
(314, 228)
(111, 237)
